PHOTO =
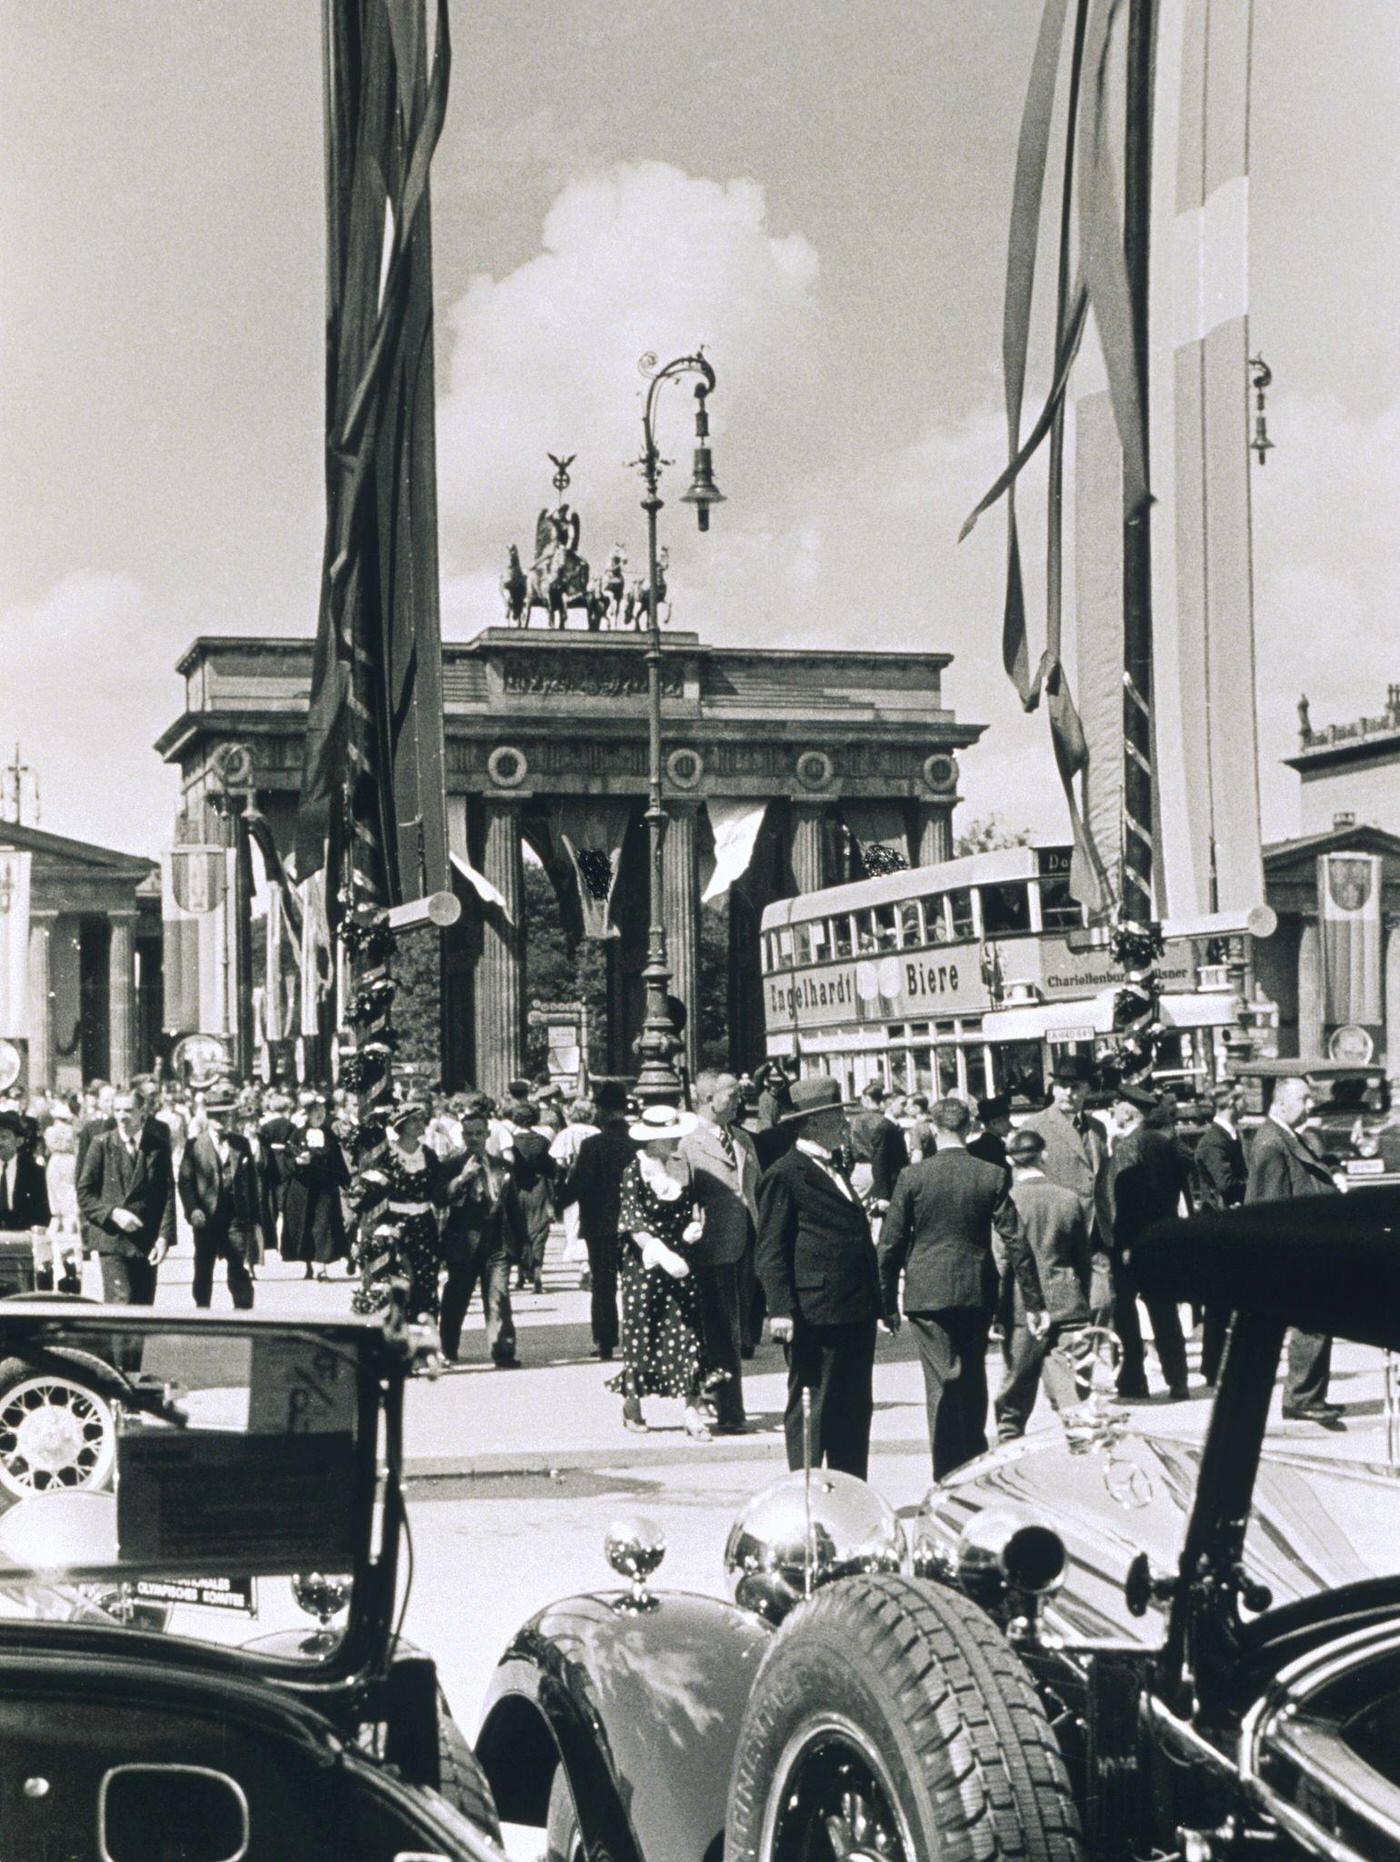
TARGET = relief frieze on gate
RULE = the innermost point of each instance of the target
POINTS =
(575, 674)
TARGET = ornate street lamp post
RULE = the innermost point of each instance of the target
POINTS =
(657, 1079)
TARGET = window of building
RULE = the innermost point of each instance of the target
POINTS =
(960, 913)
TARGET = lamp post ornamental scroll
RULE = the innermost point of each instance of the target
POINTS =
(657, 1079)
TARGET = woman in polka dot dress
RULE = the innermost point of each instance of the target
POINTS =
(663, 1341)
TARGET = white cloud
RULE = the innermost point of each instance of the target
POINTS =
(639, 258)
(87, 689)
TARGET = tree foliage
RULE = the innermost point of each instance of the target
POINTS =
(988, 833)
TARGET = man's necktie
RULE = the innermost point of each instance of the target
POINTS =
(726, 1144)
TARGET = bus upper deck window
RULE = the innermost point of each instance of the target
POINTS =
(785, 948)
(886, 925)
(841, 936)
(935, 920)
(960, 912)
(911, 933)
(1058, 910)
(820, 937)
(1005, 909)
(866, 940)
(802, 943)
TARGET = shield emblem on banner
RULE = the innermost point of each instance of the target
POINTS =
(1350, 883)
(197, 877)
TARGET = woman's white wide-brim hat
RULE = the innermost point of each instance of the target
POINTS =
(662, 1122)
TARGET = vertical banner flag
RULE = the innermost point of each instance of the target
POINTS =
(374, 758)
(735, 827)
(14, 942)
(193, 880)
(1349, 905)
(592, 829)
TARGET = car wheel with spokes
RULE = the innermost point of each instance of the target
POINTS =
(892, 1722)
(57, 1434)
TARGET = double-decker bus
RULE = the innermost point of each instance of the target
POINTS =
(971, 976)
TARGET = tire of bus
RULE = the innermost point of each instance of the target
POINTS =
(899, 1709)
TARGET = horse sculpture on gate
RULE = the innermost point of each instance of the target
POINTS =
(637, 612)
(558, 580)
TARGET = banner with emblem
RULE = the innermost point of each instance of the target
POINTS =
(14, 941)
(592, 830)
(1349, 907)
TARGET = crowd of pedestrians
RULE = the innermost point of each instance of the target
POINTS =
(687, 1227)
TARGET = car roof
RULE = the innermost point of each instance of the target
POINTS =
(1325, 1263)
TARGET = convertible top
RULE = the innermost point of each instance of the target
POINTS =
(1326, 1263)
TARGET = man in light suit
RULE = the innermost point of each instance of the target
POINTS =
(724, 1166)
(1283, 1164)
(1076, 1157)
(939, 1232)
(817, 1264)
(221, 1191)
(1058, 1232)
(126, 1195)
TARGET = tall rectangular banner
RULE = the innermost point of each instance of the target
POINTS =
(1349, 907)
(14, 941)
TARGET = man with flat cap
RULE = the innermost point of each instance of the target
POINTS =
(1057, 1229)
(817, 1264)
(1148, 1179)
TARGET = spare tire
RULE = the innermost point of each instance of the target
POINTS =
(58, 1432)
(893, 1718)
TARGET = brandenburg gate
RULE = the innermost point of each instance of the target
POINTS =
(785, 771)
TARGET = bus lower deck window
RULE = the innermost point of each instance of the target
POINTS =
(947, 1058)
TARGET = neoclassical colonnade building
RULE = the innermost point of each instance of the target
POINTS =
(784, 772)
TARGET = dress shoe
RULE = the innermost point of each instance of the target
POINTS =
(539, 1283)
(602, 1352)
(632, 1417)
(1327, 1415)
(729, 1428)
(507, 1364)
(1178, 1393)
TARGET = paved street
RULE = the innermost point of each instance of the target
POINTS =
(515, 1476)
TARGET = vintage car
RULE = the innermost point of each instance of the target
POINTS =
(1090, 1643)
(162, 1692)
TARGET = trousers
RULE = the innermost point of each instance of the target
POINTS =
(486, 1266)
(1028, 1363)
(1309, 1369)
(1166, 1335)
(221, 1241)
(953, 1352)
(837, 1364)
(719, 1292)
(602, 1298)
(128, 1279)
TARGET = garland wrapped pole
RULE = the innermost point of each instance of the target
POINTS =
(372, 807)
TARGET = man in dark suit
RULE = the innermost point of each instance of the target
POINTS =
(1057, 1229)
(993, 1127)
(533, 1171)
(817, 1264)
(126, 1196)
(724, 1172)
(595, 1184)
(1147, 1181)
(876, 1140)
(1221, 1180)
(1283, 1164)
(24, 1192)
(483, 1232)
(939, 1231)
(222, 1195)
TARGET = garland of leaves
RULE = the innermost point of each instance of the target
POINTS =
(1130, 1052)
(366, 1071)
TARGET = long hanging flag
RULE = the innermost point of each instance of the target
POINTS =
(373, 771)
(1349, 906)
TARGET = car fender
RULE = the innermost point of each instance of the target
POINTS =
(642, 1707)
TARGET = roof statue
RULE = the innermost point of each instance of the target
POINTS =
(557, 580)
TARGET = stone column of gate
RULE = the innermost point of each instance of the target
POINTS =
(498, 987)
(809, 846)
(1310, 990)
(935, 842)
(121, 999)
(680, 884)
(40, 1041)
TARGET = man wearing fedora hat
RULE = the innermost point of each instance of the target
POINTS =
(1076, 1157)
(221, 1193)
(1147, 1181)
(816, 1260)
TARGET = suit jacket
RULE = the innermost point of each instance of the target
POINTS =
(939, 1230)
(1283, 1163)
(1148, 1174)
(595, 1182)
(1057, 1229)
(1078, 1160)
(1221, 1172)
(727, 1193)
(230, 1194)
(29, 1207)
(814, 1254)
(109, 1179)
(478, 1219)
(990, 1146)
(880, 1141)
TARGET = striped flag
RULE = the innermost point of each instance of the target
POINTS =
(1349, 906)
